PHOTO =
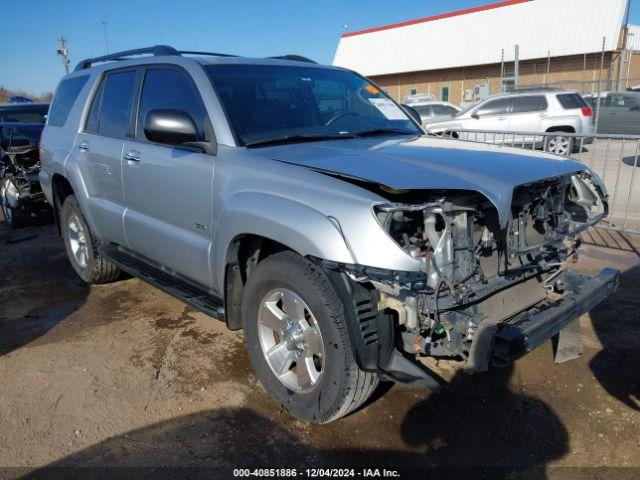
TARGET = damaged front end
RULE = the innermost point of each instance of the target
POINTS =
(489, 289)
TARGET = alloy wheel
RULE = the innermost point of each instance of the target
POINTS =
(290, 340)
(78, 240)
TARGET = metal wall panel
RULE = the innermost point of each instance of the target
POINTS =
(562, 27)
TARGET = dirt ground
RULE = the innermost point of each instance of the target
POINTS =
(124, 375)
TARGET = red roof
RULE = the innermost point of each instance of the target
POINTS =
(467, 11)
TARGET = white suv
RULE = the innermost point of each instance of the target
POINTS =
(528, 111)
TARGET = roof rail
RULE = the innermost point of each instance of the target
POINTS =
(294, 58)
(156, 50)
(213, 54)
(537, 89)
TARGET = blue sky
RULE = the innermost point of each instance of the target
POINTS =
(249, 27)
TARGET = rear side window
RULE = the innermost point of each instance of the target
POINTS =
(571, 100)
(168, 88)
(65, 97)
(529, 104)
(495, 107)
(113, 120)
(94, 113)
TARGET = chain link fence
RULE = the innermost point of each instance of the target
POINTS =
(616, 158)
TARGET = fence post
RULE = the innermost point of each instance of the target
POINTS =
(604, 40)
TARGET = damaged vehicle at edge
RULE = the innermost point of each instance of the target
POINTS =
(303, 205)
(20, 194)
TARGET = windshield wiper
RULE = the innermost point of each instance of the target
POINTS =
(299, 138)
(384, 131)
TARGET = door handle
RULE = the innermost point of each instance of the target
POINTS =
(83, 147)
(502, 118)
(132, 157)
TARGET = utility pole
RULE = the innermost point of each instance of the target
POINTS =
(604, 43)
(546, 77)
(104, 31)
(64, 53)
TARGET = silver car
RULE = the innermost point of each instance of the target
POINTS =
(301, 204)
(433, 112)
(540, 110)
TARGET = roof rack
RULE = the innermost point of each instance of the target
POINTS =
(294, 58)
(156, 50)
(162, 50)
(213, 54)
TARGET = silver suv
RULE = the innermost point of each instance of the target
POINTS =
(300, 203)
(538, 110)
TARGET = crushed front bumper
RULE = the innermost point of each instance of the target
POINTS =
(512, 341)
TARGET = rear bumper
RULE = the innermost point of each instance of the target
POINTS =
(515, 340)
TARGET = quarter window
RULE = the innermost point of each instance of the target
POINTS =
(166, 88)
(65, 97)
(116, 104)
(529, 104)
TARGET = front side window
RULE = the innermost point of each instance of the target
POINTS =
(168, 88)
(499, 106)
(116, 104)
(529, 104)
(444, 110)
(268, 103)
(63, 100)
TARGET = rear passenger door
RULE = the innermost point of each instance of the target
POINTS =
(169, 190)
(99, 146)
(528, 114)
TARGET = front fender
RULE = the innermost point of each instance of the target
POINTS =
(300, 227)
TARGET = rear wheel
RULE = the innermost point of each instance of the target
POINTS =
(559, 143)
(15, 215)
(294, 326)
(82, 246)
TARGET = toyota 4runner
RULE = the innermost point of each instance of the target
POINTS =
(301, 204)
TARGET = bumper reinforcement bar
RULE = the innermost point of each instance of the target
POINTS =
(513, 341)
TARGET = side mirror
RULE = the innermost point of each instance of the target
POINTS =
(170, 127)
(475, 115)
(413, 113)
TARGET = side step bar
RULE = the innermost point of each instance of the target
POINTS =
(193, 295)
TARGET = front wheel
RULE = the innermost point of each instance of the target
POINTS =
(560, 144)
(297, 339)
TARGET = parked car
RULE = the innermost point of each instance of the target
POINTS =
(417, 98)
(536, 110)
(20, 194)
(300, 203)
(24, 113)
(432, 112)
(619, 112)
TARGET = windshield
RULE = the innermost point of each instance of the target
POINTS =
(268, 103)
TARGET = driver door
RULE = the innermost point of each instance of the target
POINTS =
(169, 190)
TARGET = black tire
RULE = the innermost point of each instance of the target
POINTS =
(15, 217)
(97, 269)
(342, 387)
(559, 143)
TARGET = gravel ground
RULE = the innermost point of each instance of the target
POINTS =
(124, 375)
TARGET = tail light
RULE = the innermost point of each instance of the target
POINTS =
(587, 111)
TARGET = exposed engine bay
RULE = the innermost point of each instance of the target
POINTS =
(20, 191)
(475, 273)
